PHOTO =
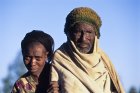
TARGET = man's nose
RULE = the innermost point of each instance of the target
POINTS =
(84, 36)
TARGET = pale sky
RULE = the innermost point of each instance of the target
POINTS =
(119, 32)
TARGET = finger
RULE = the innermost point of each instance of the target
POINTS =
(53, 90)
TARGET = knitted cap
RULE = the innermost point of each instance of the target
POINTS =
(82, 14)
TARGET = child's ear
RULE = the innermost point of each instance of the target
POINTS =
(46, 55)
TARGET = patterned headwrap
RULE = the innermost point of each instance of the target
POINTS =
(83, 14)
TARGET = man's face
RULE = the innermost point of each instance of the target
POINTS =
(34, 58)
(83, 35)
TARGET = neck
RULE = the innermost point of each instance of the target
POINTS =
(37, 75)
(35, 78)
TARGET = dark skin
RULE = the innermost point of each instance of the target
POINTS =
(35, 61)
(35, 58)
(83, 36)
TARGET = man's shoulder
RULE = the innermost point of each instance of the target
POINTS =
(102, 52)
(62, 48)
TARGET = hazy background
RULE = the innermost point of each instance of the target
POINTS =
(120, 30)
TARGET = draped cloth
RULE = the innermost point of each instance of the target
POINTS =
(84, 73)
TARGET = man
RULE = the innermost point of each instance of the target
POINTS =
(79, 65)
(37, 50)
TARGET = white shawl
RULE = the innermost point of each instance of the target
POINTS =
(83, 73)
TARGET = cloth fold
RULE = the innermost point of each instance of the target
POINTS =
(89, 73)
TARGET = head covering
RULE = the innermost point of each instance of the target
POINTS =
(82, 14)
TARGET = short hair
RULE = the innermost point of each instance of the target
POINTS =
(39, 36)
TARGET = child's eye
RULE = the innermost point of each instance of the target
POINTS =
(38, 58)
(27, 57)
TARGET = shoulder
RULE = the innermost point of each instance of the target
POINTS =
(21, 80)
(62, 48)
(103, 54)
(105, 58)
(19, 84)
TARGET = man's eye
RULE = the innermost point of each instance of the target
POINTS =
(77, 33)
(89, 31)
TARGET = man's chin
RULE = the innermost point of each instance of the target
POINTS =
(85, 51)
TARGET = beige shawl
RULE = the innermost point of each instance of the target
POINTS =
(84, 73)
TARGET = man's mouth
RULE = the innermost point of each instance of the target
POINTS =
(82, 45)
